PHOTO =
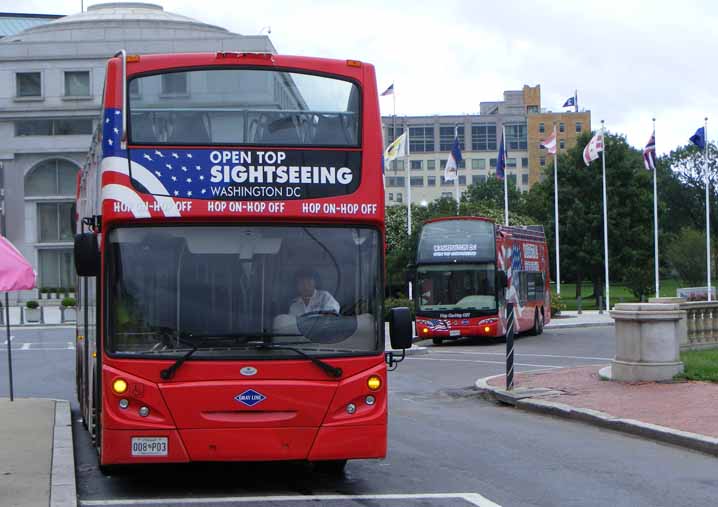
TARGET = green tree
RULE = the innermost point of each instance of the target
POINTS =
(687, 255)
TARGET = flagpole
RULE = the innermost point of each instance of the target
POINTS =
(575, 99)
(408, 196)
(555, 211)
(3, 225)
(708, 223)
(506, 177)
(605, 216)
(456, 181)
(655, 217)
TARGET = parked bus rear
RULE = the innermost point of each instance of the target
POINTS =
(220, 189)
(468, 268)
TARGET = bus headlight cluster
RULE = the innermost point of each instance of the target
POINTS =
(119, 386)
(144, 411)
(124, 403)
(370, 400)
(351, 408)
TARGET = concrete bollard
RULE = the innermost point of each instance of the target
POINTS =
(647, 341)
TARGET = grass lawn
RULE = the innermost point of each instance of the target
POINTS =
(700, 365)
(619, 293)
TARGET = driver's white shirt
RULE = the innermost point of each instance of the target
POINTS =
(321, 301)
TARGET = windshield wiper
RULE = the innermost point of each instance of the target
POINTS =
(330, 370)
(169, 372)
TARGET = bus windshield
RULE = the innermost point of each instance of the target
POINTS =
(243, 107)
(226, 290)
(457, 287)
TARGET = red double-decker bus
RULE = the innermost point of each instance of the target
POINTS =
(230, 248)
(468, 268)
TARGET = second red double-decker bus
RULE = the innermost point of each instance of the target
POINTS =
(468, 268)
(231, 254)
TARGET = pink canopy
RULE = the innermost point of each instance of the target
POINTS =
(15, 272)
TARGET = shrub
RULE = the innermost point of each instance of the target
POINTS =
(32, 304)
(68, 302)
(390, 303)
(556, 305)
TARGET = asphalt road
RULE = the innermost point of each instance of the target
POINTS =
(447, 446)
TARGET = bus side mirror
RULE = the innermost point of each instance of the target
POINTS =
(87, 254)
(502, 280)
(400, 328)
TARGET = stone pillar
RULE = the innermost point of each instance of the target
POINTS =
(648, 339)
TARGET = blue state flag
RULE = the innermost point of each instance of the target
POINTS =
(501, 162)
(570, 102)
(699, 138)
(452, 163)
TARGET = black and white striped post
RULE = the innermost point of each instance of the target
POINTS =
(509, 346)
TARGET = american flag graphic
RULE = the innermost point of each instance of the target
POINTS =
(649, 153)
(437, 325)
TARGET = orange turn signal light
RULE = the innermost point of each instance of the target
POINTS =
(133, 58)
(353, 63)
(373, 382)
(119, 386)
(487, 329)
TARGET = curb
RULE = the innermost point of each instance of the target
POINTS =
(694, 441)
(63, 491)
(415, 350)
(580, 324)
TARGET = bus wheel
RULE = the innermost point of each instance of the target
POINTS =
(437, 341)
(333, 467)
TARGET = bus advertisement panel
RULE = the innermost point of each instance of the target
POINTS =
(231, 253)
(468, 268)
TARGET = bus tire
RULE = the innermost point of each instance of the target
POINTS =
(333, 468)
(437, 341)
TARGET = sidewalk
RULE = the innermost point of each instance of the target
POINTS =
(51, 316)
(36, 455)
(589, 318)
(682, 412)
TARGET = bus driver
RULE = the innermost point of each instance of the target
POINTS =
(310, 299)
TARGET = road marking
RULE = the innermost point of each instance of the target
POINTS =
(472, 498)
(522, 354)
(12, 337)
(479, 361)
(43, 349)
(25, 346)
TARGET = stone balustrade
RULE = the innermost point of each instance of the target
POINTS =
(701, 325)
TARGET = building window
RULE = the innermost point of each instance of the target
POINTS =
(399, 197)
(421, 139)
(174, 83)
(478, 163)
(392, 133)
(446, 137)
(442, 164)
(532, 109)
(51, 178)
(77, 83)
(431, 181)
(483, 137)
(391, 196)
(562, 144)
(492, 163)
(395, 181)
(447, 195)
(55, 268)
(579, 127)
(462, 163)
(397, 165)
(524, 179)
(512, 180)
(53, 127)
(524, 162)
(542, 128)
(417, 165)
(417, 181)
(511, 162)
(55, 221)
(430, 165)
(562, 127)
(542, 161)
(28, 84)
(462, 180)
(517, 137)
(478, 178)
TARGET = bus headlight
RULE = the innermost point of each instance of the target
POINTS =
(119, 386)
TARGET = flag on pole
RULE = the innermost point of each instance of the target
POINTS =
(396, 149)
(593, 148)
(649, 153)
(570, 102)
(501, 161)
(388, 91)
(699, 138)
(550, 143)
(452, 163)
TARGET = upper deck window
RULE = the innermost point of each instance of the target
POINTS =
(244, 107)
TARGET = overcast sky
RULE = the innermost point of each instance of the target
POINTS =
(630, 60)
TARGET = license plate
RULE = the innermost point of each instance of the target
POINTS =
(454, 332)
(149, 446)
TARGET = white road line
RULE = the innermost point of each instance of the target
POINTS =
(472, 498)
(25, 346)
(479, 361)
(11, 339)
(40, 349)
(523, 355)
